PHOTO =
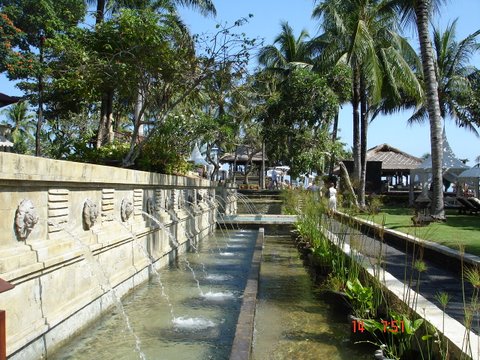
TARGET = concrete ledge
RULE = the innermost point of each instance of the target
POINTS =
(242, 343)
(264, 219)
(438, 253)
(15, 167)
(455, 332)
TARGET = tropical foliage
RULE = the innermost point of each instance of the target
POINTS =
(110, 93)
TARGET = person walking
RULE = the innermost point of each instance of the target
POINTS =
(332, 199)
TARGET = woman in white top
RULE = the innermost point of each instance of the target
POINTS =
(332, 199)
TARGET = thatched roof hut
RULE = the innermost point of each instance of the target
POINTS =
(394, 161)
(243, 154)
(385, 161)
(8, 100)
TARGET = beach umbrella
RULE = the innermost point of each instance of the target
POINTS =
(197, 157)
(472, 173)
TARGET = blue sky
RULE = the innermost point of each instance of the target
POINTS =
(392, 129)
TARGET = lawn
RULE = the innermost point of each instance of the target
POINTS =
(457, 230)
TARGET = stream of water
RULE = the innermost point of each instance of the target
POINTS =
(204, 322)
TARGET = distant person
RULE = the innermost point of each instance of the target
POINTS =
(332, 199)
(274, 179)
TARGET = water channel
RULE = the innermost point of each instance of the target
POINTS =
(173, 315)
(291, 320)
(189, 309)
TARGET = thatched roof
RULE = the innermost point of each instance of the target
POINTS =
(7, 100)
(242, 154)
(392, 158)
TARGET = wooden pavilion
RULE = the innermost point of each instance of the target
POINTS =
(396, 165)
(242, 160)
(387, 168)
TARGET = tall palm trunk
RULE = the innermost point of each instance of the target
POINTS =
(433, 105)
(334, 138)
(100, 14)
(104, 134)
(363, 141)
(105, 123)
(356, 125)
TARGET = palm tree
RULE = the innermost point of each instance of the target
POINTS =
(419, 12)
(453, 72)
(477, 161)
(22, 123)
(291, 51)
(362, 33)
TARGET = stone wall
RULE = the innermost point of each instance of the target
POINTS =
(72, 232)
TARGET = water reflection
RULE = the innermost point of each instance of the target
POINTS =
(290, 321)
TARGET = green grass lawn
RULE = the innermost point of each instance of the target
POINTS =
(457, 230)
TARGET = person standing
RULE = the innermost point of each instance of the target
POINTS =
(274, 179)
(332, 199)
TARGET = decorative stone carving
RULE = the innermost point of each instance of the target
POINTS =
(181, 199)
(126, 209)
(108, 205)
(90, 214)
(190, 198)
(26, 218)
(160, 204)
(151, 206)
(58, 209)
(138, 201)
(174, 199)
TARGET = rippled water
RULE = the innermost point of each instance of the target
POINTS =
(291, 322)
(201, 327)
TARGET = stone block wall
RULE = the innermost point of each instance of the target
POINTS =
(72, 232)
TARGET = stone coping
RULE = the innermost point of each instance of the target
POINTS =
(438, 252)
(266, 219)
(453, 330)
(15, 167)
(242, 342)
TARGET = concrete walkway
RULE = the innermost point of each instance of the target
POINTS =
(435, 279)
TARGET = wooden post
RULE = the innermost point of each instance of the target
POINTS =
(3, 336)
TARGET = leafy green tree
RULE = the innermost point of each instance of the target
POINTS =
(225, 98)
(39, 22)
(296, 122)
(169, 146)
(185, 83)
(164, 7)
